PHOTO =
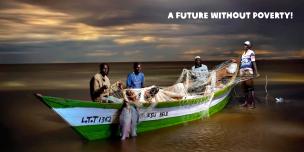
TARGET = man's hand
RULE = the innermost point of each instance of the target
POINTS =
(193, 77)
(119, 85)
(104, 87)
(256, 75)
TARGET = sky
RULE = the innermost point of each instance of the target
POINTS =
(52, 31)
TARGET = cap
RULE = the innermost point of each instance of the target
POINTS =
(247, 43)
(197, 57)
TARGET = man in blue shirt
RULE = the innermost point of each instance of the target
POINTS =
(136, 79)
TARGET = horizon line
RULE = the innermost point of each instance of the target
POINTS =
(263, 59)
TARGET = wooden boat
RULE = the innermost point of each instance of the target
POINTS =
(94, 120)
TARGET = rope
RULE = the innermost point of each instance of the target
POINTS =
(266, 83)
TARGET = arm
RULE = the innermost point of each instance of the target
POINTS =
(143, 80)
(96, 89)
(128, 82)
(206, 68)
(254, 66)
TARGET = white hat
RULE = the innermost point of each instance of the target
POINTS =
(247, 43)
(197, 57)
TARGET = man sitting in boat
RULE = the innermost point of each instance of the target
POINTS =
(199, 76)
(200, 71)
(100, 87)
(136, 79)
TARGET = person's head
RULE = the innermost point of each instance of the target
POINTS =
(247, 45)
(197, 61)
(136, 67)
(104, 69)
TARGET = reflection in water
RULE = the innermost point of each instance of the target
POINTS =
(29, 125)
(128, 145)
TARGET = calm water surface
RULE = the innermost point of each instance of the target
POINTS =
(29, 125)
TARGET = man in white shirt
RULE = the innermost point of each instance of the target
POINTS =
(248, 68)
(248, 65)
(100, 84)
(200, 71)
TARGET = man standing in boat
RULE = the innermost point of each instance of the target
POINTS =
(129, 117)
(136, 79)
(100, 84)
(248, 68)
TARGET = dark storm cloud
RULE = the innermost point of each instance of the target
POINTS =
(86, 31)
(116, 12)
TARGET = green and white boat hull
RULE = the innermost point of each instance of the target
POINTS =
(100, 120)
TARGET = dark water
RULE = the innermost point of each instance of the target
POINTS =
(29, 125)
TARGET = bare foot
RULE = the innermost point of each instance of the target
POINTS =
(244, 104)
(252, 106)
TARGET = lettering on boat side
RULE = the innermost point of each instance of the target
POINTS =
(96, 119)
(163, 114)
(151, 115)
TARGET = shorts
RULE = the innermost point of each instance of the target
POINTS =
(246, 72)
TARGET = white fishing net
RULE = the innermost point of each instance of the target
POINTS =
(189, 85)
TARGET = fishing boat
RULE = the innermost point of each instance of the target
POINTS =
(93, 120)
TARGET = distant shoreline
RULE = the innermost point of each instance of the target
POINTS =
(144, 62)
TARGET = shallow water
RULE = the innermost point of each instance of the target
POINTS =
(29, 125)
